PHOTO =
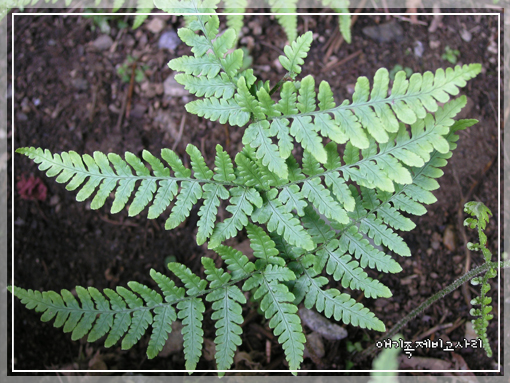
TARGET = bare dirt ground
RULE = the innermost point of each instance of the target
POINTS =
(69, 96)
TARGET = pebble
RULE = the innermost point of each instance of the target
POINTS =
(103, 42)
(25, 107)
(138, 111)
(80, 84)
(156, 25)
(418, 49)
(466, 35)
(449, 239)
(384, 33)
(169, 40)
(434, 44)
(314, 346)
(173, 88)
(436, 241)
(321, 325)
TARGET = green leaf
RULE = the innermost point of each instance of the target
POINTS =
(295, 53)
(278, 219)
(241, 208)
(257, 135)
(190, 312)
(219, 110)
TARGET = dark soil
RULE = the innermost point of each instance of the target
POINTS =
(68, 97)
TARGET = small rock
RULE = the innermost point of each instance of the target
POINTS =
(25, 106)
(255, 27)
(169, 40)
(434, 44)
(321, 325)
(22, 116)
(173, 88)
(156, 25)
(384, 33)
(466, 35)
(175, 341)
(80, 84)
(138, 111)
(466, 110)
(278, 65)
(150, 90)
(103, 42)
(54, 200)
(314, 347)
(470, 332)
(435, 243)
(449, 238)
(418, 49)
(493, 47)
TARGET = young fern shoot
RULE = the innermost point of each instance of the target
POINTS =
(481, 214)
(306, 220)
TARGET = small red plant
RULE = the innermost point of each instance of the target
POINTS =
(31, 188)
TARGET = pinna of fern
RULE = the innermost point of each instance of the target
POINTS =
(304, 220)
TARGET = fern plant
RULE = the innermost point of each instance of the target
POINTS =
(479, 221)
(309, 218)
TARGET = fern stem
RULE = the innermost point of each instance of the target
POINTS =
(430, 301)
(279, 84)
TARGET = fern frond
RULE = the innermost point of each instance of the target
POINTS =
(377, 113)
(120, 314)
(295, 53)
(212, 71)
(481, 214)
